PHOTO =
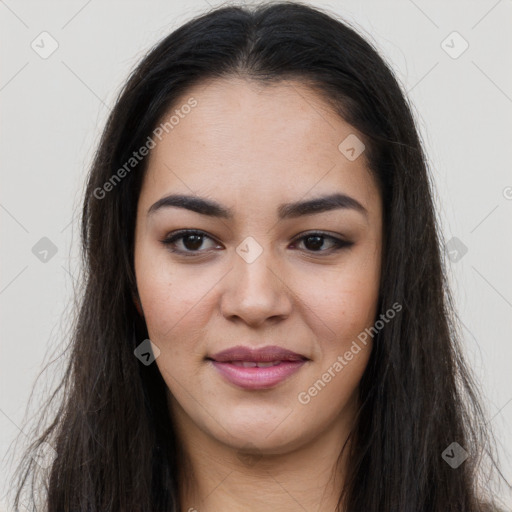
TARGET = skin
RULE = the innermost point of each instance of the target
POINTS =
(251, 148)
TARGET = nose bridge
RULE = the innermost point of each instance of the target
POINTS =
(256, 290)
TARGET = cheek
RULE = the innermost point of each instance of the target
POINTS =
(344, 306)
(343, 299)
(157, 287)
(333, 391)
(173, 297)
(168, 304)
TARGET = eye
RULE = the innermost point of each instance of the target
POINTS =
(192, 240)
(315, 241)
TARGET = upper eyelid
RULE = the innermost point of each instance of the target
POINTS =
(177, 235)
(182, 233)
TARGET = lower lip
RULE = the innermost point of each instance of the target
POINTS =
(258, 378)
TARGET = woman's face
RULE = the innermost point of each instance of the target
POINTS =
(263, 274)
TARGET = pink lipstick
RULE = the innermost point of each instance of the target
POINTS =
(257, 368)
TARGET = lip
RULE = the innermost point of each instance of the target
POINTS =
(228, 363)
(263, 354)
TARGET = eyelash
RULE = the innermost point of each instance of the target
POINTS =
(170, 240)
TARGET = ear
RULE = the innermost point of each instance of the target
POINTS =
(138, 305)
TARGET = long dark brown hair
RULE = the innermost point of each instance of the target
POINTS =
(114, 440)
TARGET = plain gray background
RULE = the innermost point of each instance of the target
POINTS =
(54, 108)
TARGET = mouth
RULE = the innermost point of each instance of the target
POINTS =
(254, 369)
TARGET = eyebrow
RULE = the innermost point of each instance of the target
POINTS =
(285, 211)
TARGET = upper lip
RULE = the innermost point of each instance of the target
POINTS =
(263, 354)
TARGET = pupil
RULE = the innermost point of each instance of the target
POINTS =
(318, 241)
(196, 244)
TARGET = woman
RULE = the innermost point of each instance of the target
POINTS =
(265, 320)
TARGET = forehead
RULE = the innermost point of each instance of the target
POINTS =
(260, 141)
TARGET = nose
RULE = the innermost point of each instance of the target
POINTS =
(256, 292)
